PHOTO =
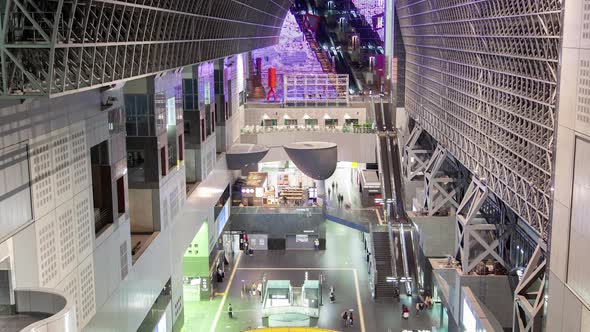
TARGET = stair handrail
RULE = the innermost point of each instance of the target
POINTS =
(373, 264)
(392, 249)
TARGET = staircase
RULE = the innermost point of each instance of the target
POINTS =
(322, 57)
(382, 256)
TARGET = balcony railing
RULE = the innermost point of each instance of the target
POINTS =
(57, 310)
(356, 129)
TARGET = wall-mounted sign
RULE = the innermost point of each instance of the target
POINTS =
(301, 238)
(204, 288)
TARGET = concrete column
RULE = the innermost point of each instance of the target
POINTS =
(321, 186)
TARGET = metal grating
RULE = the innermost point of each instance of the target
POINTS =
(481, 79)
(52, 47)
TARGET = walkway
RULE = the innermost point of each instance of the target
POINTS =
(343, 264)
(356, 216)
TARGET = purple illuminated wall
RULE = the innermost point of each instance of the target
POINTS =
(291, 55)
(370, 8)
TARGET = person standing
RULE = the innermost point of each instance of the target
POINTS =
(230, 311)
(350, 318)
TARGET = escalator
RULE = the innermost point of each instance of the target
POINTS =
(405, 263)
(404, 259)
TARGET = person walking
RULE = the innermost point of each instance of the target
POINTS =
(332, 297)
(329, 192)
(405, 312)
(345, 318)
(350, 318)
(230, 311)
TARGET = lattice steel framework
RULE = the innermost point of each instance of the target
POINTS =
(481, 79)
(440, 186)
(415, 156)
(52, 47)
(529, 296)
(477, 239)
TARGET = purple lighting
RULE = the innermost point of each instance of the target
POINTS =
(372, 9)
(291, 55)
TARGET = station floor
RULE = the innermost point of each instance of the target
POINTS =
(347, 187)
(344, 267)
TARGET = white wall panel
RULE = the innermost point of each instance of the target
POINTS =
(87, 291)
(70, 286)
(578, 16)
(140, 209)
(585, 325)
(583, 93)
(559, 249)
(26, 268)
(84, 219)
(41, 176)
(61, 166)
(15, 206)
(66, 237)
(80, 156)
(47, 250)
(579, 269)
(572, 312)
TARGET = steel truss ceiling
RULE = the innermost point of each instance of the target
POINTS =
(52, 47)
(481, 79)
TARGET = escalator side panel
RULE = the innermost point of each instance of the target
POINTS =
(410, 256)
(398, 254)
(384, 166)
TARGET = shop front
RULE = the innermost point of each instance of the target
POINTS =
(276, 184)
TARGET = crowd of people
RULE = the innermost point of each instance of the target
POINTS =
(420, 307)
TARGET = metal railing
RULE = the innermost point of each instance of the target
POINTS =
(361, 129)
(373, 269)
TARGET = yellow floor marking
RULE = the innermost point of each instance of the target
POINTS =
(222, 304)
(218, 294)
(359, 303)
